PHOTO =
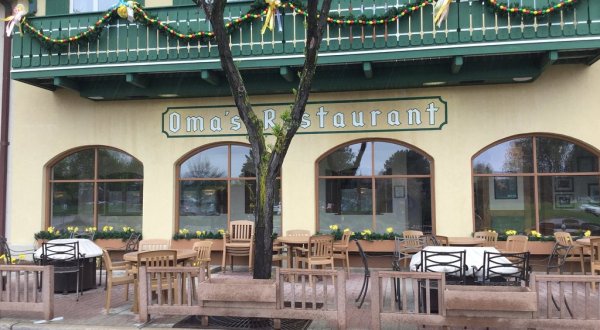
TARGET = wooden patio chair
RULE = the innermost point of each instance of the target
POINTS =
(154, 244)
(202, 260)
(157, 258)
(411, 242)
(297, 232)
(340, 251)
(516, 244)
(319, 252)
(113, 278)
(238, 242)
(576, 252)
(490, 237)
(556, 260)
(279, 253)
(595, 258)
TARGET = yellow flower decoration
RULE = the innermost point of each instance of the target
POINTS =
(587, 233)
(366, 232)
(346, 230)
(389, 230)
(200, 233)
(221, 231)
(50, 230)
(333, 227)
(107, 228)
(510, 232)
(127, 229)
(183, 231)
(535, 234)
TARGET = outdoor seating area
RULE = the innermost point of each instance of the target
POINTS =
(454, 283)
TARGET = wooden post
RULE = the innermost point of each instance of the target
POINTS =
(47, 291)
(341, 298)
(375, 290)
(143, 294)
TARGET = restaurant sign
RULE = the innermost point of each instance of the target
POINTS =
(348, 116)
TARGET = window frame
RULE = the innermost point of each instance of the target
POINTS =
(228, 178)
(374, 178)
(95, 181)
(535, 174)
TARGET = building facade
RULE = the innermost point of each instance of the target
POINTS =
(410, 125)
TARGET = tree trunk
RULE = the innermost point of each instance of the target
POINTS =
(263, 240)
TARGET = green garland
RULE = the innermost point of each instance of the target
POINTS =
(259, 9)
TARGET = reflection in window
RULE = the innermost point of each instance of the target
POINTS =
(115, 195)
(374, 185)
(86, 6)
(217, 185)
(567, 180)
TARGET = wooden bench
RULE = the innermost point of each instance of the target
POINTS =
(19, 289)
(290, 295)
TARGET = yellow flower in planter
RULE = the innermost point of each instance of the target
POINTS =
(535, 234)
(510, 232)
(127, 229)
(389, 230)
(107, 228)
(50, 230)
(183, 231)
(333, 227)
(587, 233)
(90, 229)
(346, 230)
(200, 233)
(221, 231)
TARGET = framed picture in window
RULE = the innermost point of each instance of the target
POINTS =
(564, 201)
(563, 183)
(399, 191)
(505, 187)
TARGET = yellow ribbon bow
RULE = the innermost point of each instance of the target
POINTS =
(15, 18)
(440, 11)
(269, 19)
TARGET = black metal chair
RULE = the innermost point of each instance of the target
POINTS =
(367, 275)
(87, 235)
(452, 263)
(511, 269)
(556, 260)
(65, 258)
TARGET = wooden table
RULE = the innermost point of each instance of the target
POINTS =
(182, 255)
(465, 241)
(292, 242)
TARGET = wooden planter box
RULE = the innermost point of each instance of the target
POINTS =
(490, 301)
(373, 246)
(189, 243)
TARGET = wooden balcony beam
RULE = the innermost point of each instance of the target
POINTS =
(457, 63)
(67, 83)
(548, 59)
(136, 80)
(368, 70)
(210, 77)
(287, 73)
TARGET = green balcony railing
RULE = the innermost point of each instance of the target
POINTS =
(471, 28)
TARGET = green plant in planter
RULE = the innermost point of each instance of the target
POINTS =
(199, 234)
(108, 232)
(50, 233)
(366, 234)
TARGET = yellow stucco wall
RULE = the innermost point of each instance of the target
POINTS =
(45, 124)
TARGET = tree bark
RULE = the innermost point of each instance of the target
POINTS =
(267, 162)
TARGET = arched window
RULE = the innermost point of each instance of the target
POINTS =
(536, 182)
(217, 185)
(374, 185)
(96, 187)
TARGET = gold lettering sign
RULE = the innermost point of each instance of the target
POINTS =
(348, 116)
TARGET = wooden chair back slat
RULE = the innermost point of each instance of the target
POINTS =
(490, 237)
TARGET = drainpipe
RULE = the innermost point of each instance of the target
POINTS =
(4, 111)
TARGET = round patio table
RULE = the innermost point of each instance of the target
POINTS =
(465, 241)
(292, 242)
(182, 255)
